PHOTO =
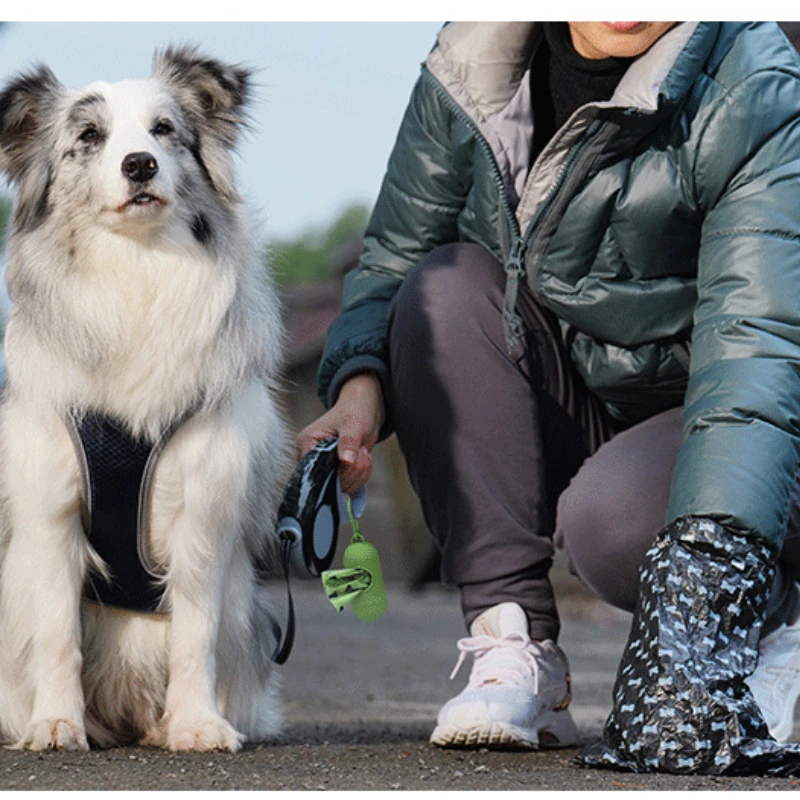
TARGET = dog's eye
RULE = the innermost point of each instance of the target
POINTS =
(162, 128)
(89, 135)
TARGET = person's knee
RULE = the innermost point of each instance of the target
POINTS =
(614, 507)
(591, 528)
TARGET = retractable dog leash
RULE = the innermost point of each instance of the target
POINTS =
(307, 530)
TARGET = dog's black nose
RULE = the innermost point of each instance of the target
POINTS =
(139, 167)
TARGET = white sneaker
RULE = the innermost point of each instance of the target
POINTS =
(776, 680)
(518, 691)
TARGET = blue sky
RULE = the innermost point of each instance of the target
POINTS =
(328, 104)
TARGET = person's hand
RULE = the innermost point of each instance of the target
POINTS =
(356, 419)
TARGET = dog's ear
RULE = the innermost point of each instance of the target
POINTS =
(24, 103)
(214, 94)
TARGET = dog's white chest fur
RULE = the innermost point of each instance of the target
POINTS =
(141, 303)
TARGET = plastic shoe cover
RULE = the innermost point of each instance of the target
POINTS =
(518, 690)
(776, 681)
(681, 703)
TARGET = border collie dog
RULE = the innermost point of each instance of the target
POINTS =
(142, 325)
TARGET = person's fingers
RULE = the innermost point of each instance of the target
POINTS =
(351, 439)
(354, 458)
(355, 419)
(356, 474)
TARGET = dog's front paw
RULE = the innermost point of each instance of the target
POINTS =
(54, 734)
(155, 737)
(202, 735)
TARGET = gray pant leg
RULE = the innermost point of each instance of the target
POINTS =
(489, 441)
(615, 505)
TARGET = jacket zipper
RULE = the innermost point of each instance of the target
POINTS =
(515, 260)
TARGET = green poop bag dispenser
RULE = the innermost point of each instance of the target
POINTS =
(360, 583)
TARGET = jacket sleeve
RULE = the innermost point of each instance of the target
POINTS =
(417, 210)
(742, 409)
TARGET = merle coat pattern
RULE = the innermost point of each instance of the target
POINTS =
(136, 293)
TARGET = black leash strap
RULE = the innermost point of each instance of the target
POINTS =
(285, 641)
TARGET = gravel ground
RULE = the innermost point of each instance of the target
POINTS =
(361, 700)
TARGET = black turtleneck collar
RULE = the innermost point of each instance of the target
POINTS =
(562, 81)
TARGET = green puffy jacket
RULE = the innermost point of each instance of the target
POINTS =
(661, 227)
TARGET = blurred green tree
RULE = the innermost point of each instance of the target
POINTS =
(307, 257)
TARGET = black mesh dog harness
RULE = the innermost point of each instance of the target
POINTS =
(116, 475)
(116, 472)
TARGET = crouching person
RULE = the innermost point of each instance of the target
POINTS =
(578, 309)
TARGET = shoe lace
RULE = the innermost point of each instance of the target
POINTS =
(508, 659)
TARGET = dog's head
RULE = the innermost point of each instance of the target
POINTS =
(128, 156)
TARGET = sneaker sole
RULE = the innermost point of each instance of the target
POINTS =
(562, 733)
(496, 736)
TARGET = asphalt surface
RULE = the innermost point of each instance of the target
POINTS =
(360, 702)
